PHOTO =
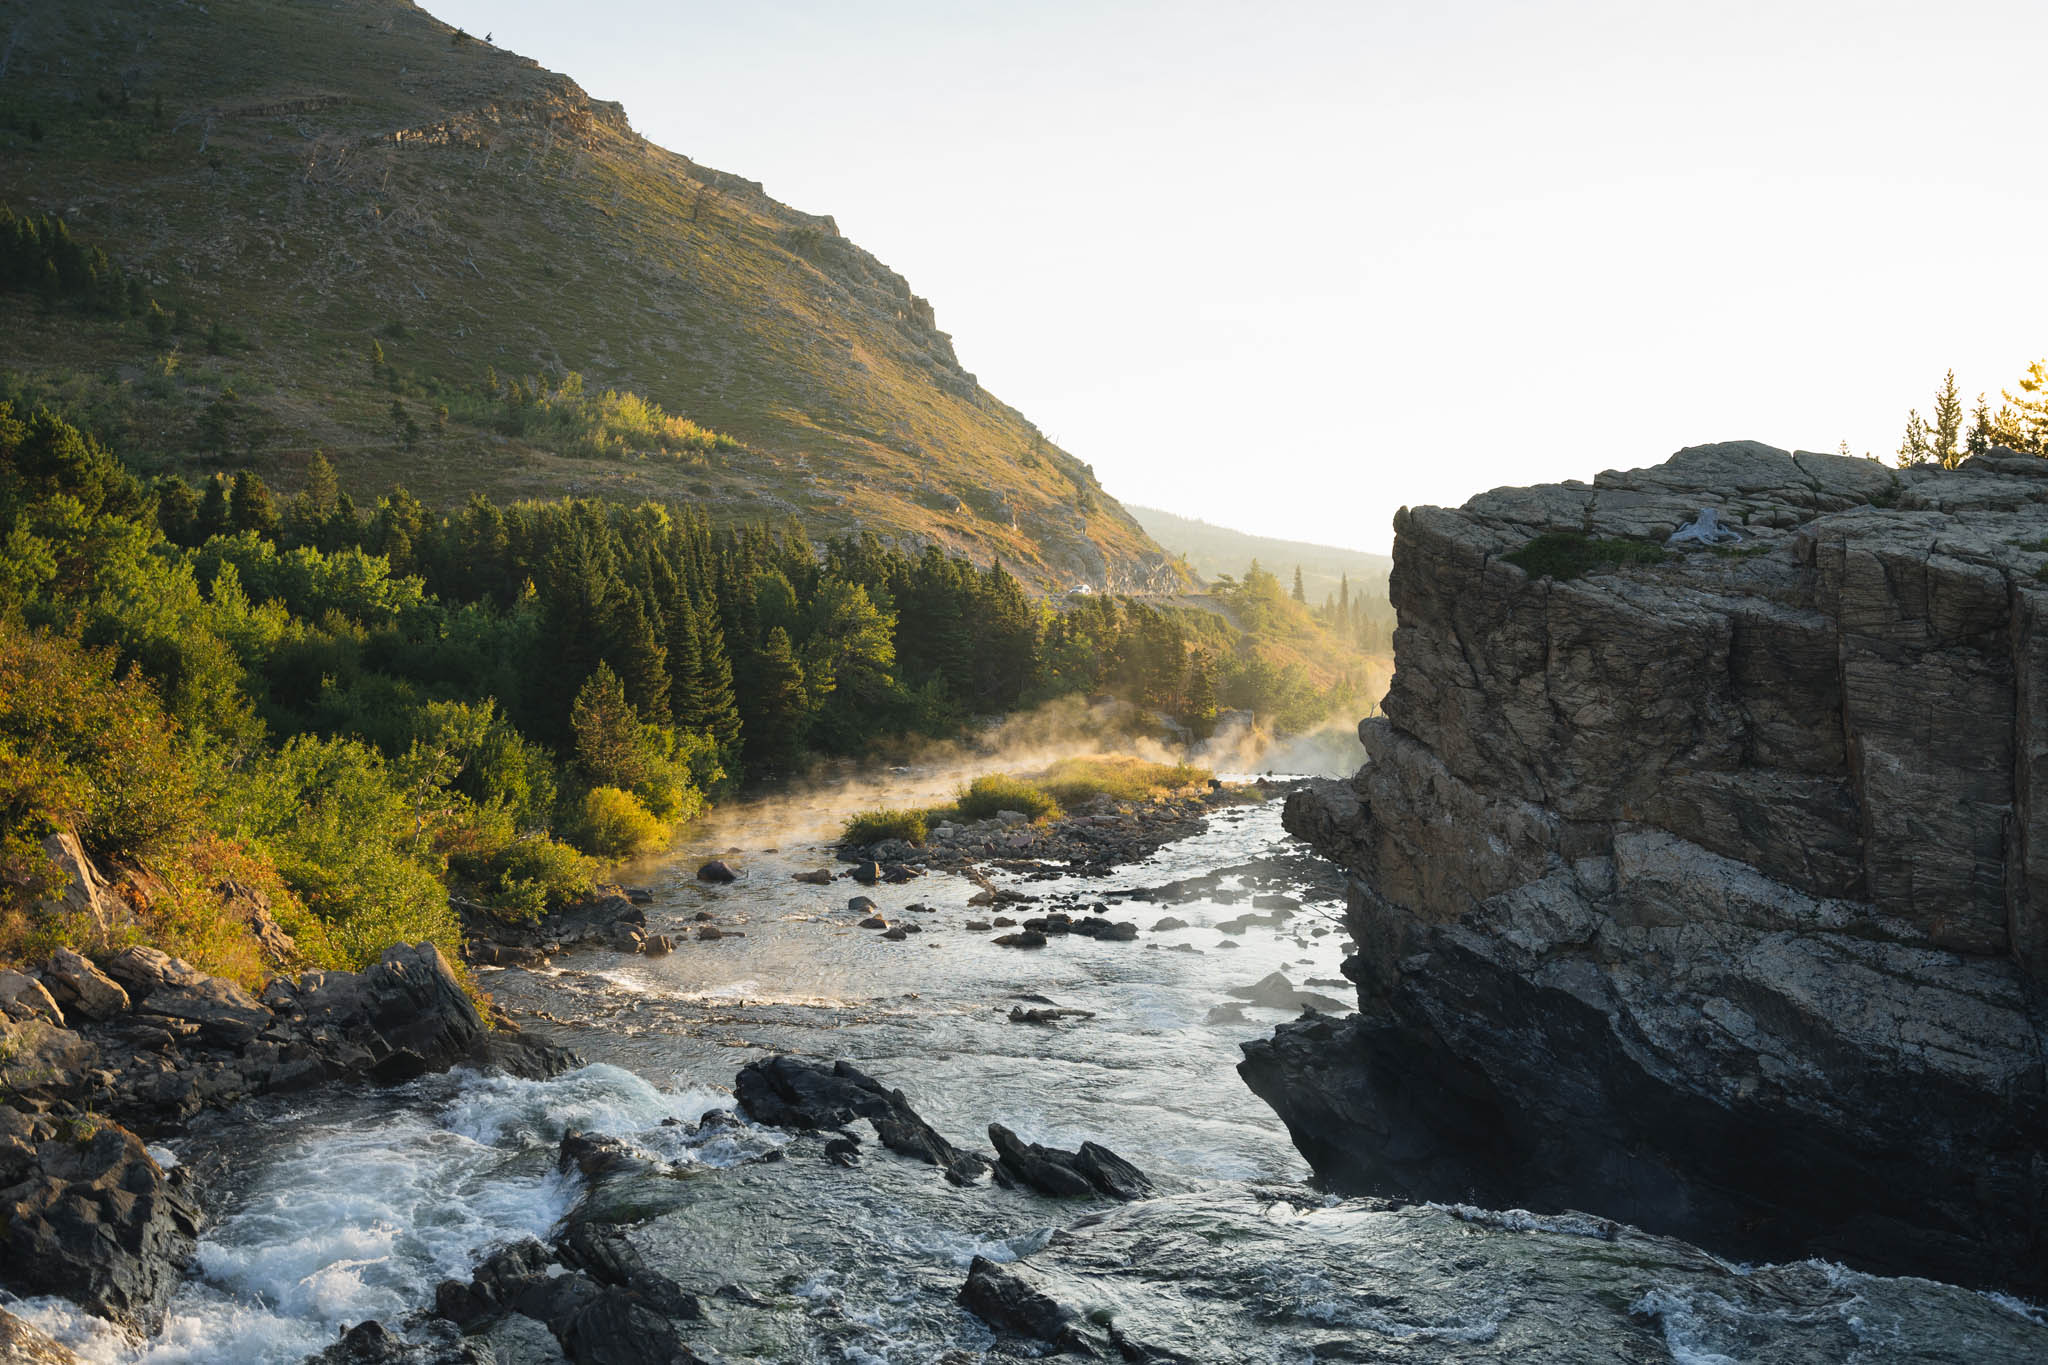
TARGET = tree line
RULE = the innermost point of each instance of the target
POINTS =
(365, 705)
(2020, 423)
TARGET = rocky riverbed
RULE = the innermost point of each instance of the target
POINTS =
(803, 1140)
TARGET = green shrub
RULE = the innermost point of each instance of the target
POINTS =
(873, 826)
(529, 877)
(611, 823)
(1564, 555)
(985, 796)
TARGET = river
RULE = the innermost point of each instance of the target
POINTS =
(354, 1206)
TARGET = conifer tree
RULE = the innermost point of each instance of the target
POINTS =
(606, 730)
(1913, 446)
(2022, 421)
(775, 710)
(1947, 430)
(717, 705)
(638, 656)
(1980, 438)
(251, 508)
(213, 511)
(177, 509)
(1299, 595)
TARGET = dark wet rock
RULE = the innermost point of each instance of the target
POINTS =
(843, 1151)
(1007, 1300)
(1232, 1013)
(601, 1324)
(818, 877)
(867, 874)
(897, 935)
(898, 873)
(23, 1344)
(789, 1092)
(1028, 938)
(486, 954)
(735, 1293)
(600, 1157)
(1094, 1170)
(710, 933)
(873, 922)
(371, 1343)
(603, 1252)
(1002, 921)
(95, 1220)
(658, 945)
(1051, 1016)
(81, 989)
(1169, 922)
(977, 925)
(862, 905)
(717, 870)
(1275, 991)
(626, 938)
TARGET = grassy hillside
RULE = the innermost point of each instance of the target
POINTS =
(295, 182)
(1212, 551)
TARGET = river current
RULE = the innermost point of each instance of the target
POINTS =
(354, 1206)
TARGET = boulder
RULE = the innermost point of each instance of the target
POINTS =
(817, 877)
(82, 988)
(717, 870)
(98, 1222)
(1092, 1171)
(140, 970)
(24, 997)
(225, 1013)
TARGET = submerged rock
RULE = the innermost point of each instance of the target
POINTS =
(789, 1092)
(1708, 892)
(1278, 1275)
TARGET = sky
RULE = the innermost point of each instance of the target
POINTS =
(1288, 267)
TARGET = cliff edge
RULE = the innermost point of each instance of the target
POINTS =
(1706, 889)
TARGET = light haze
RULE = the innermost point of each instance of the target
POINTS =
(1289, 267)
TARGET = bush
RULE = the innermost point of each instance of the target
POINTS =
(1076, 781)
(1564, 555)
(873, 826)
(611, 823)
(529, 877)
(982, 798)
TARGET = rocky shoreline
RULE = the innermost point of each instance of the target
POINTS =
(1707, 894)
(98, 1060)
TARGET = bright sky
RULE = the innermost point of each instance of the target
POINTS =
(1288, 266)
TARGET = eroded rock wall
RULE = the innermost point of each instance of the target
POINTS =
(1711, 894)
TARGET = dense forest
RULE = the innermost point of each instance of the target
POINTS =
(352, 709)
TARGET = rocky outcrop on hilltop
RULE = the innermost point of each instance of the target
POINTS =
(1706, 889)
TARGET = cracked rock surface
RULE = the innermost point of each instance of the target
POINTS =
(1708, 894)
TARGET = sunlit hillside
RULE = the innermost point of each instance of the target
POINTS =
(381, 233)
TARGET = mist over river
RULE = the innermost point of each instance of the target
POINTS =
(355, 1205)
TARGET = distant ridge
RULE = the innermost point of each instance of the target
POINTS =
(1211, 550)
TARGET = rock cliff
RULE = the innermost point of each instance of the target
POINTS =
(1706, 890)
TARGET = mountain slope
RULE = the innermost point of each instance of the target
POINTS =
(1214, 550)
(321, 177)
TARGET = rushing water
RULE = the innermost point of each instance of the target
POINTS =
(356, 1206)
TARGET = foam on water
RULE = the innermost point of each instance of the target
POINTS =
(360, 1218)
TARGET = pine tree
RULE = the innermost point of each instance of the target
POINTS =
(177, 509)
(1298, 595)
(2022, 421)
(775, 712)
(717, 704)
(607, 731)
(638, 656)
(1980, 438)
(251, 508)
(1913, 447)
(213, 511)
(1344, 594)
(322, 487)
(1948, 424)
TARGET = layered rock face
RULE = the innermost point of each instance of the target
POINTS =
(1709, 894)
